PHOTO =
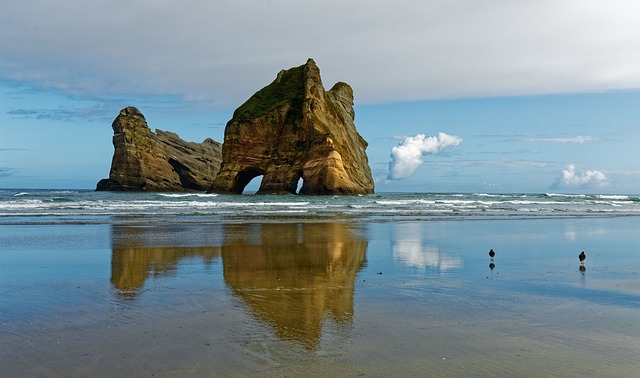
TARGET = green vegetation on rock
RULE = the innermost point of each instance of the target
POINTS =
(287, 89)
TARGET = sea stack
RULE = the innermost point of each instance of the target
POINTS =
(160, 161)
(294, 129)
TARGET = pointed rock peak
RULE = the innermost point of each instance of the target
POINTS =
(292, 130)
(133, 112)
(304, 69)
(311, 72)
(130, 118)
(342, 93)
(311, 65)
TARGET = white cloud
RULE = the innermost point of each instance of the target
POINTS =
(223, 51)
(406, 157)
(570, 179)
(579, 139)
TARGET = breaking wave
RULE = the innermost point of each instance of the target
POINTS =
(41, 206)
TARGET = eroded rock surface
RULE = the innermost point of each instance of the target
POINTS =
(160, 161)
(293, 129)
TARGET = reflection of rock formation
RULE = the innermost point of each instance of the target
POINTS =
(291, 276)
(132, 261)
(130, 267)
(408, 247)
(295, 275)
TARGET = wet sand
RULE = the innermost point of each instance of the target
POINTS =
(322, 299)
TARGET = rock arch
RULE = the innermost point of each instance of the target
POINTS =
(293, 129)
(244, 178)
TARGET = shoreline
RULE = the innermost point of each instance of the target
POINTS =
(138, 220)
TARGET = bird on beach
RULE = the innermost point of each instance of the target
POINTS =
(582, 256)
(492, 254)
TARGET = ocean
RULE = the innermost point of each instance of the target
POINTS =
(83, 206)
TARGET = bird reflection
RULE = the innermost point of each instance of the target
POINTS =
(492, 265)
(582, 257)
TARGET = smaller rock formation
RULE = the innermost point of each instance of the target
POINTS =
(294, 129)
(160, 161)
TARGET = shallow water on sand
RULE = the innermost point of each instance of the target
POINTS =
(402, 298)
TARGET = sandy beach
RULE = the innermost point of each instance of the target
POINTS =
(339, 298)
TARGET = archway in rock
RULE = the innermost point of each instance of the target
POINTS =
(244, 178)
(253, 186)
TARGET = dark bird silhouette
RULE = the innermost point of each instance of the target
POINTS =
(582, 256)
(491, 253)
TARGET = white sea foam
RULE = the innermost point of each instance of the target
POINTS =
(282, 211)
(565, 195)
(392, 202)
(181, 195)
(613, 197)
(22, 204)
(261, 204)
(403, 202)
(176, 206)
(522, 202)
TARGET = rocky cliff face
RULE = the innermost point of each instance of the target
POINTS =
(161, 161)
(293, 129)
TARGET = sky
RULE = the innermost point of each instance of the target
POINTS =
(492, 96)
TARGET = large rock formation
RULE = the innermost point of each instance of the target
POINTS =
(161, 161)
(293, 129)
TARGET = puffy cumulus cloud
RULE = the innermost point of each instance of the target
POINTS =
(407, 156)
(222, 51)
(570, 179)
